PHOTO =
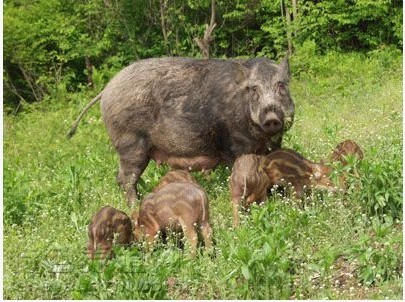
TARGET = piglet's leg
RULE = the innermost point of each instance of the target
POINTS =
(150, 240)
(90, 244)
(299, 188)
(90, 251)
(251, 199)
(105, 249)
(191, 236)
(207, 233)
(235, 206)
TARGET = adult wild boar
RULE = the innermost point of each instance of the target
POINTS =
(189, 108)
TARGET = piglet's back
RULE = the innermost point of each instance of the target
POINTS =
(176, 200)
(289, 161)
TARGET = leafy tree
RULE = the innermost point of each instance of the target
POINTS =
(53, 46)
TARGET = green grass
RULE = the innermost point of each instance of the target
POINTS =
(344, 246)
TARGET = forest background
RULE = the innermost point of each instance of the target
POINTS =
(59, 46)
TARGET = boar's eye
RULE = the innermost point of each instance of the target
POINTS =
(281, 88)
(254, 91)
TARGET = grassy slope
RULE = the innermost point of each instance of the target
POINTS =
(329, 248)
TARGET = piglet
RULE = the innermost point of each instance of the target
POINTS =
(345, 148)
(249, 182)
(339, 154)
(288, 166)
(108, 226)
(175, 206)
(252, 175)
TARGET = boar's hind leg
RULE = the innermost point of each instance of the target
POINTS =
(133, 151)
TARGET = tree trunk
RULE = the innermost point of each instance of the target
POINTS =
(294, 16)
(288, 20)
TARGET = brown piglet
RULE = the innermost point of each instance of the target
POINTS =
(248, 182)
(339, 154)
(175, 206)
(108, 226)
(345, 148)
(288, 166)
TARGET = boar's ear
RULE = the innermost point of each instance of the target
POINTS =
(285, 69)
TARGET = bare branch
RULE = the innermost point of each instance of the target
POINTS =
(163, 5)
(204, 43)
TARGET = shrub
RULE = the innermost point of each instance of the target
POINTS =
(380, 189)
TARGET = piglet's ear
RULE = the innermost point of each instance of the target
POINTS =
(285, 69)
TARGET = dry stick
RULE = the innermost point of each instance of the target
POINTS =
(204, 43)
(163, 5)
(14, 90)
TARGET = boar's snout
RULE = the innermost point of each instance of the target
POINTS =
(272, 123)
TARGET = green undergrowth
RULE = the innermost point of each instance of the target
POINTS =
(329, 246)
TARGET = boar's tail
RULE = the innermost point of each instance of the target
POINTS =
(76, 123)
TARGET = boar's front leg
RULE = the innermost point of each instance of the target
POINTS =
(133, 150)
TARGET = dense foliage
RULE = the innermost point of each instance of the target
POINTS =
(59, 46)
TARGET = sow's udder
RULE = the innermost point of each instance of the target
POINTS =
(197, 163)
